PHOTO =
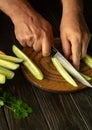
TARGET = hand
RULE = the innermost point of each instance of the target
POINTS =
(32, 30)
(74, 36)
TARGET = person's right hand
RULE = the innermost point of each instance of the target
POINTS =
(32, 30)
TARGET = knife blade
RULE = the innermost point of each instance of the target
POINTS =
(69, 67)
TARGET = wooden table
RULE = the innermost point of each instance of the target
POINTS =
(51, 111)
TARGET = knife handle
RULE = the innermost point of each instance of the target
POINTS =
(53, 51)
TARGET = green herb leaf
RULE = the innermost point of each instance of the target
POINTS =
(20, 108)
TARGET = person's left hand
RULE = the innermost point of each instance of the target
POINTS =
(74, 36)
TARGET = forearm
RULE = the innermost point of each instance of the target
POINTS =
(15, 7)
(72, 6)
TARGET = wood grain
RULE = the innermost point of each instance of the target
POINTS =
(3, 123)
(50, 111)
(52, 81)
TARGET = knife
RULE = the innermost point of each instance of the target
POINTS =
(69, 67)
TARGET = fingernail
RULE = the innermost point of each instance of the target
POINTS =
(46, 53)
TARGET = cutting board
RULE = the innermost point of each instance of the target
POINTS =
(53, 81)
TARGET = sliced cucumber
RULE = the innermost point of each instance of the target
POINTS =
(8, 64)
(10, 58)
(2, 79)
(8, 73)
(88, 60)
(28, 63)
(63, 72)
(86, 77)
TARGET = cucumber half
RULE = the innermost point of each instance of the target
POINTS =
(63, 72)
(10, 58)
(8, 64)
(88, 78)
(8, 73)
(28, 63)
(88, 60)
(2, 79)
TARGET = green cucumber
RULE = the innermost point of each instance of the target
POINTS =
(63, 72)
(8, 73)
(86, 77)
(10, 58)
(88, 60)
(8, 64)
(2, 79)
(28, 63)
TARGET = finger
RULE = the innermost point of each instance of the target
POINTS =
(85, 46)
(66, 47)
(37, 46)
(46, 47)
(76, 53)
(84, 49)
(30, 42)
(23, 43)
(47, 42)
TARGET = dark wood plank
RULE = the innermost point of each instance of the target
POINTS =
(3, 122)
(60, 112)
(20, 87)
(50, 111)
(83, 102)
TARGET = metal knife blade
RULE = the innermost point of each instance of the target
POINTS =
(69, 67)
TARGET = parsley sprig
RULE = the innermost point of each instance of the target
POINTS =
(20, 108)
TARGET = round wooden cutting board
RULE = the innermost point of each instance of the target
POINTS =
(52, 81)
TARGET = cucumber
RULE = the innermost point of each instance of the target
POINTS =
(8, 64)
(10, 58)
(86, 77)
(28, 63)
(88, 60)
(8, 73)
(2, 79)
(63, 72)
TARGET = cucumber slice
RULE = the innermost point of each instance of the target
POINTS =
(2, 79)
(88, 60)
(28, 63)
(8, 64)
(10, 58)
(86, 77)
(8, 73)
(63, 72)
